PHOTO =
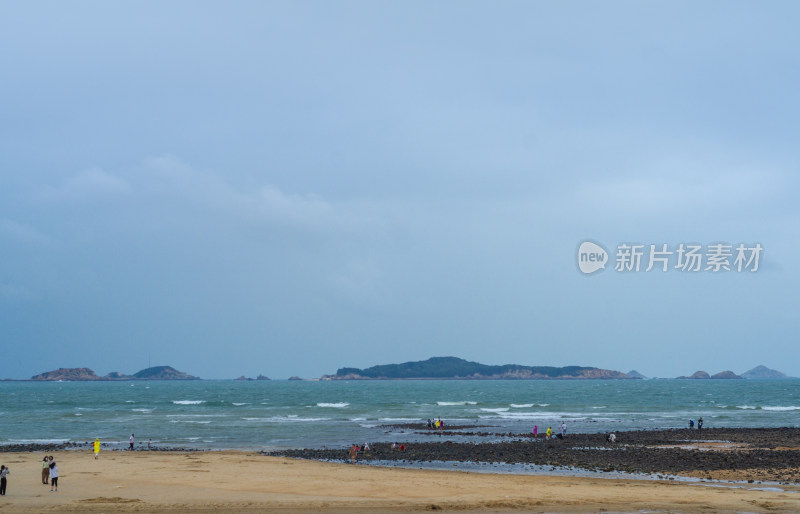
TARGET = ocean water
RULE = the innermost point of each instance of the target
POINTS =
(284, 414)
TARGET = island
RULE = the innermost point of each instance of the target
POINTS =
(703, 375)
(248, 379)
(87, 375)
(443, 368)
(762, 372)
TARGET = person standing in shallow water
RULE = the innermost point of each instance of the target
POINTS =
(131, 441)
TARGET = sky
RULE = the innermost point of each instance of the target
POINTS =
(287, 188)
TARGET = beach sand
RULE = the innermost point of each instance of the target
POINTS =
(230, 481)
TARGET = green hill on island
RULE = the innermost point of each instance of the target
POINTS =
(454, 367)
(86, 374)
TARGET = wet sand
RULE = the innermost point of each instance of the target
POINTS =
(248, 482)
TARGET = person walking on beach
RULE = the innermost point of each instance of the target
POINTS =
(131, 442)
(563, 430)
(4, 471)
(45, 470)
(691, 424)
(353, 453)
(53, 476)
(535, 431)
(700, 424)
(96, 447)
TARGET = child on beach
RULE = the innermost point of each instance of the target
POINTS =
(535, 431)
(96, 447)
(549, 433)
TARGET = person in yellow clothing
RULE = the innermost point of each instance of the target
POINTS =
(549, 432)
(96, 447)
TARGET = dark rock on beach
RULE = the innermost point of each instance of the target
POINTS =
(769, 454)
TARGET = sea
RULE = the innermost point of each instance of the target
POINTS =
(273, 415)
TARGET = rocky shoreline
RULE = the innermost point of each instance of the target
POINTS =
(86, 446)
(754, 454)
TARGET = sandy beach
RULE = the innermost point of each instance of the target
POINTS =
(248, 482)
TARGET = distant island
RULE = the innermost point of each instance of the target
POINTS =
(87, 375)
(456, 368)
(763, 372)
(703, 375)
(759, 372)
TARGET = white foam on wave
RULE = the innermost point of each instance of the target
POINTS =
(399, 420)
(600, 407)
(358, 419)
(781, 409)
(549, 416)
(340, 405)
(746, 407)
(143, 410)
(453, 404)
(129, 401)
(286, 419)
(188, 402)
(521, 405)
(500, 409)
(237, 404)
(194, 422)
(78, 414)
(36, 441)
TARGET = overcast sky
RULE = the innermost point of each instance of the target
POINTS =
(291, 187)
